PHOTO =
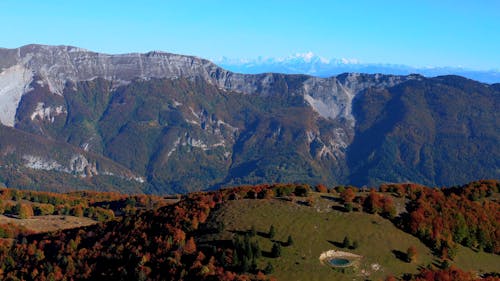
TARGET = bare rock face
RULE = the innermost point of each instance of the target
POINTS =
(78, 165)
(55, 66)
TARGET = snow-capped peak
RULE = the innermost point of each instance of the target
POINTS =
(306, 57)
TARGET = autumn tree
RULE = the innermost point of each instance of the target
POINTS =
(321, 188)
(388, 208)
(266, 193)
(43, 209)
(373, 203)
(77, 211)
(391, 278)
(24, 211)
(347, 195)
(411, 254)
(190, 246)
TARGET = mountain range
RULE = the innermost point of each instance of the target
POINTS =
(311, 64)
(167, 123)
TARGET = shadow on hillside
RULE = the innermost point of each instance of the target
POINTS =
(239, 232)
(334, 199)
(247, 232)
(303, 203)
(267, 254)
(339, 208)
(282, 243)
(217, 243)
(263, 234)
(336, 244)
(400, 255)
(205, 231)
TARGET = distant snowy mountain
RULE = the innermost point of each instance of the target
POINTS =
(311, 64)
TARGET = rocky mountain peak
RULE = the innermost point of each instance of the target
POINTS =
(57, 65)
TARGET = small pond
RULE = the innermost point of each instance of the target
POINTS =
(339, 262)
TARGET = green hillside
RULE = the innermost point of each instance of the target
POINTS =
(318, 229)
(264, 232)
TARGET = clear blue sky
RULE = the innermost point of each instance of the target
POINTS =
(413, 32)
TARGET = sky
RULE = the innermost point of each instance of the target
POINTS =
(421, 33)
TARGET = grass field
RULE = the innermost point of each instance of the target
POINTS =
(48, 223)
(480, 262)
(319, 229)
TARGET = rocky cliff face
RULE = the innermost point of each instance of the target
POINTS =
(55, 66)
(32, 161)
(184, 123)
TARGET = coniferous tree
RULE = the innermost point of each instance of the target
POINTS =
(253, 231)
(223, 259)
(348, 207)
(220, 227)
(346, 243)
(276, 250)
(269, 268)
(272, 232)
(253, 265)
(245, 264)
(236, 260)
(257, 253)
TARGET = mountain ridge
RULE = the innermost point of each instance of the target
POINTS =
(184, 124)
(83, 169)
(311, 64)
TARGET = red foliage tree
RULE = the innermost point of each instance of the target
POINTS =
(190, 246)
(347, 195)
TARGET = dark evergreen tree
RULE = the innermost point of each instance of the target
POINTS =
(245, 265)
(253, 231)
(253, 266)
(272, 232)
(236, 260)
(269, 268)
(220, 227)
(276, 250)
(348, 207)
(257, 253)
(223, 259)
(346, 243)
